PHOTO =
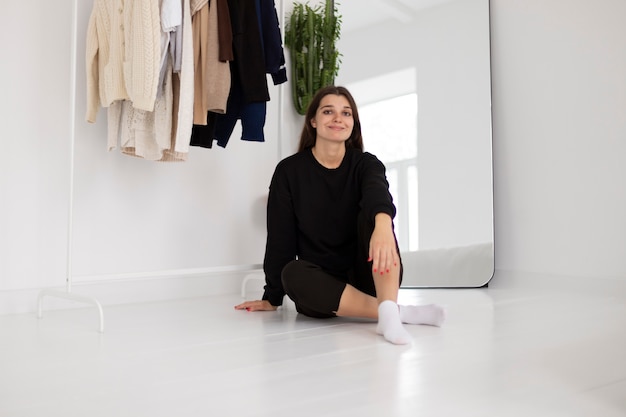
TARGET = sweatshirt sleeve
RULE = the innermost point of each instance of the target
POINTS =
(281, 236)
(375, 195)
(272, 43)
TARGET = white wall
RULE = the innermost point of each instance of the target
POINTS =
(559, 104)
(34, 172)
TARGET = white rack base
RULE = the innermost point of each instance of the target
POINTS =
(70, 296)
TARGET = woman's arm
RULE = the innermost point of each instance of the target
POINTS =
(281, 243)
(377, 204)
(375, 195)
(383, 250)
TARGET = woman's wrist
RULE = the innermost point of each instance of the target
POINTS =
(382, 219)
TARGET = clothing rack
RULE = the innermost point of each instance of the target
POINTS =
(68, 293)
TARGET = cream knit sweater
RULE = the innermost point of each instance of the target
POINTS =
(163, 134)
(118, 29)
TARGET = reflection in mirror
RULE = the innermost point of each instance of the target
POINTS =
(420, 72)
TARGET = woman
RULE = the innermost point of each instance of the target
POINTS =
(330, 243)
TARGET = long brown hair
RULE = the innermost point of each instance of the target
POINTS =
(309, 133)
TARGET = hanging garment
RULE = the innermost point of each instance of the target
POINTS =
(248, 50)
(220, 126)
(272, 41)
(145, 134)
(212, 76)
(163, 134)
(171, 23)
(183, 92)
(122, 54)
(225, 32)
(258, 51)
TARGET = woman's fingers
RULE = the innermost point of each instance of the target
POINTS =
(383, 260)
(383, 250)
(257, 305)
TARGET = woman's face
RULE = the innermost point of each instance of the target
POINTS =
(333, 120)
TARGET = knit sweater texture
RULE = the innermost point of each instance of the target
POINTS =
(163, 134)
(122, 54)
(312, 213)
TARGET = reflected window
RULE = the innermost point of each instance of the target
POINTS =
(389, 127)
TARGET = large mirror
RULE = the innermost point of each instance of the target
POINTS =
(420, 72)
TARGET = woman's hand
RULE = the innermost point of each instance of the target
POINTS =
(257, 305)
(383, 251)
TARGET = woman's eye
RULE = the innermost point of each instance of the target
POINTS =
(347, 113)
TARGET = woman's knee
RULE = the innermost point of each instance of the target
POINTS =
(290, 272)
(315, 292)
(296, 277)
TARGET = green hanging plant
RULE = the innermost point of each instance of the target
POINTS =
(311, 35)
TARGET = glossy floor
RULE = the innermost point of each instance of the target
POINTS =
(501, 352)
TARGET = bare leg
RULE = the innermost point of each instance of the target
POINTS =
(354, 303)
(384, 308)
(387, 287)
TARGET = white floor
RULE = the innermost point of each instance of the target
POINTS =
(502, 352)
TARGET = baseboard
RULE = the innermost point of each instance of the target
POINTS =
(536, 280)
(128, 290)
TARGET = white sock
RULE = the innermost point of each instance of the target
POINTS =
(389, 324)
(431, 314)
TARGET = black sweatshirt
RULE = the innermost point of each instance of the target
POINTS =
(312, 213)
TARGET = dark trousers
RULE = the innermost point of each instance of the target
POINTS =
(317, 292)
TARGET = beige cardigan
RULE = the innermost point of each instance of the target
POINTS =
(212, 76)
(119, 29)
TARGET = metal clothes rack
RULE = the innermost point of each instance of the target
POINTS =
(67, 293)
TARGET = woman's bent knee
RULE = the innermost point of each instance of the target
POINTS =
(315, 292)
